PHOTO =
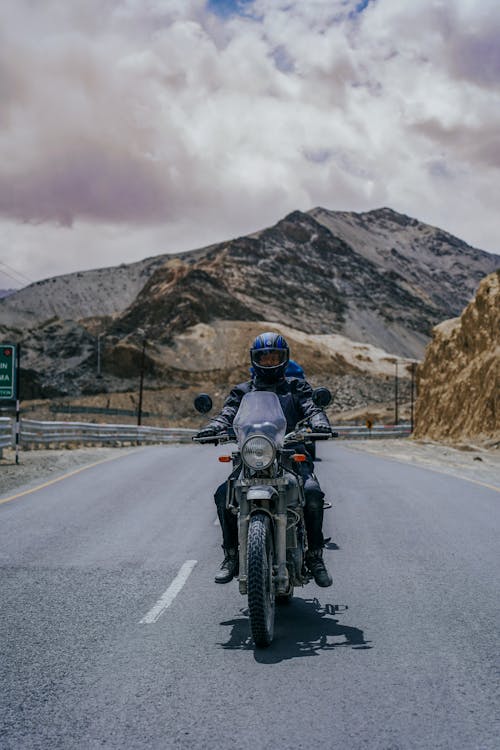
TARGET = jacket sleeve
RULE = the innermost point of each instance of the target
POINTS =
(308, 408)
(225, 417)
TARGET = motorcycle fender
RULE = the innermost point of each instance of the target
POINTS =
(261, 492)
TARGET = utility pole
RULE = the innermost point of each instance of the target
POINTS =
(18, 402)
(412, 394)
(141, 377)
(396, 415)
(99, 375)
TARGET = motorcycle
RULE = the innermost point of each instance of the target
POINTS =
(266, 493)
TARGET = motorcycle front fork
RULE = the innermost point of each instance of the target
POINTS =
(281, 578)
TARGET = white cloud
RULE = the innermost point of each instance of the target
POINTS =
(143, 126)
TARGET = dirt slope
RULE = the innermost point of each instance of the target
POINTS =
(459, 380)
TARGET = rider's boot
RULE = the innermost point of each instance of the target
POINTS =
(229, 567)
(314, 560)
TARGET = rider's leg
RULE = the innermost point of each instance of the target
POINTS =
(313, 517)
(229, 526)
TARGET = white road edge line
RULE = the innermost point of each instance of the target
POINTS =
(168, 597)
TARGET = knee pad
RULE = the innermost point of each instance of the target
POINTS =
(314, 500)
(220, 495)
(314, 494)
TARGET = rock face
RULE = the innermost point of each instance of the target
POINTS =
(459, 380)
(102, 291)
(379, 278)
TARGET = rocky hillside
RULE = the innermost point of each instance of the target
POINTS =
(103, 291)
(459, 380)
(427, 260)
(386, 284)
(379, 278)
(359, 375)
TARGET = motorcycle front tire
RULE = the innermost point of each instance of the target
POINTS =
(261, 600)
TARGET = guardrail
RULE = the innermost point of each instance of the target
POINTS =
(44, 433)
(358, 432)
(6, 433)
(36, 433)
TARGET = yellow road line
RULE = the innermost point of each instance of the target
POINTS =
(429, 468)
(64, 476)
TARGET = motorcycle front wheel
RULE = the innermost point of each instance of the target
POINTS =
(261, 602)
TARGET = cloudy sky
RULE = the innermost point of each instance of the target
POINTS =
(129, 128)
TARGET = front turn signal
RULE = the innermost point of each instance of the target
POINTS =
(225, 459)
(299, 457)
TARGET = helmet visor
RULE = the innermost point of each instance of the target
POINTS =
(269, 357)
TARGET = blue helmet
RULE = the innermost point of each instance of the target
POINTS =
(269, 356)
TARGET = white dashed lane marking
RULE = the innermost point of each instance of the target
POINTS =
(169, 595)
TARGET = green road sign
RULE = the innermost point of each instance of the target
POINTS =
(7, 371)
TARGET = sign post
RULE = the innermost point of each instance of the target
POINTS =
(10, 357)
(8, 371)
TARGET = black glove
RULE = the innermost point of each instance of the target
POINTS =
(207, 432)
(321, 428)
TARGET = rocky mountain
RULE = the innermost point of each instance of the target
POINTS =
(378, 278)
(388, 291)
(84, 294)
(459, 380)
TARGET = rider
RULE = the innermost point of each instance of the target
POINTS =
(269, 356)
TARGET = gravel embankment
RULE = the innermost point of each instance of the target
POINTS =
(39, 466)
(469, 462)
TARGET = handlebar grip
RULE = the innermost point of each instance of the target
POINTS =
(221, 437)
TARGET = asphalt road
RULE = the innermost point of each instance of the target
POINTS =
(400, 652)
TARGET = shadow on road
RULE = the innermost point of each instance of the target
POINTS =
(331, 545)
(302, 628)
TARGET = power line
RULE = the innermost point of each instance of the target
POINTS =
(4, 273)
(21, 276)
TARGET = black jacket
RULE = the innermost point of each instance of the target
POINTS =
(296, 401)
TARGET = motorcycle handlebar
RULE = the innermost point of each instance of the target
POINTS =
(292, 437)
(221, 437)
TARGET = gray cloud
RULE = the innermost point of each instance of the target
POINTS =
(88, 181)
(163, 122)
(477, 58)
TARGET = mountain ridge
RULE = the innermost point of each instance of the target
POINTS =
(300, 273)
(378, 278)
(110, 290)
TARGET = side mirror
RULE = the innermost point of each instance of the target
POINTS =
(322, 397)
(203, 403)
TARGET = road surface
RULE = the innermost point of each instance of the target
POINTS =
(113, 634)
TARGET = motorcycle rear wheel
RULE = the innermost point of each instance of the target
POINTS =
(261, 601)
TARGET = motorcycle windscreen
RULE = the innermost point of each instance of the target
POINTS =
(260, 412)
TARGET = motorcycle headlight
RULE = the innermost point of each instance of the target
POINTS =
(258, 452)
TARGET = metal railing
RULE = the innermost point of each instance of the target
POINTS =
(6, 432)
(359, 432)
(38, 433)
(43, 433)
